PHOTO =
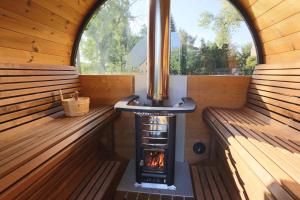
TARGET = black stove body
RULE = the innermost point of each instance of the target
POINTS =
(155, 147)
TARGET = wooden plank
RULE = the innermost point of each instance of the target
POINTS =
(12, 93)
(212, 184)
(14, 40)
(108, 180)
(14, 100)
(258, 8)
(285, 57)
(43, 169)
(197, 183)
(61, 9)
(40, 15)
(18, 23)
(24, 169)
(273, 108)
(277, 157)
(60, 135)
(262, 165)
(25, 66)
(220, 184)
(280, 97)
(6, 72)
(20, 79)
(84, 193)
(278, 13)
(284, 91)
(27, 106)
(283, 44)
(277, 78)
(15, 86)
(23, 113)
(106, 89)
(273, 118)
(291, 85)
(246, 168)
(20, 56)
(203, 179)
(292, 72)
(26, 119)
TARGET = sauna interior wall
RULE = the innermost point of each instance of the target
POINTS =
(277, 23)
(34, 31)
(42, 32)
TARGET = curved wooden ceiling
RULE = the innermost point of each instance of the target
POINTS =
(277, 23)
(35, 31)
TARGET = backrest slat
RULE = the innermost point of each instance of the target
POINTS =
(31, 92)
(274, 91)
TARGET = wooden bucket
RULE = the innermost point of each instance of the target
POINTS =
(75, 106)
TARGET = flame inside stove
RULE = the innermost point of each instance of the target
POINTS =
(155, 159)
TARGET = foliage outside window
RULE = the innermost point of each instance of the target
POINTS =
(114, 43)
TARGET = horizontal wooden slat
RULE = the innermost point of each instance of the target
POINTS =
(282, 66)
(292, 72)
(20, 56)
(261, 165)
(37, 67)
(31, 104)
(6, 94)
(24, 79)
(277, 78)
(23, 120)
(24, 169)
(269, 114)
(278, 90)
(291, 85)
(23, 113)
(14, 40)
(15, 86)
(39, 14)
(6, 72)
(282, 104)
(19, 99)
(278, 13)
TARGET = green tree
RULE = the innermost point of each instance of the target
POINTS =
(245, 60)
(172, 25)
(108, 38)
(224, 23)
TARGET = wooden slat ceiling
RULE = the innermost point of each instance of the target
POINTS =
(277, 23)
(35, 31)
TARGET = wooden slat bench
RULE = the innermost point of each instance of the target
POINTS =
(262, 139)
(211, 182)
(43, 154)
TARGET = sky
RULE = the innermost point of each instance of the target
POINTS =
(186, 15)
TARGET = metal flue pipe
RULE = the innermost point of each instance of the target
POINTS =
(158, 48)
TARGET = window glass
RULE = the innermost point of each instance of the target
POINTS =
(208, 37)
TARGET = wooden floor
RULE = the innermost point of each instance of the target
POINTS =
(120, 195)
(210, 181)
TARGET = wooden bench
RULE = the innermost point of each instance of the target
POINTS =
(42, 153)
(261, 141)
(211, 181)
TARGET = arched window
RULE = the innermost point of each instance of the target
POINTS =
(207, 38)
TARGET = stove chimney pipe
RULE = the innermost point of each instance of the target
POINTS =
(158, 48)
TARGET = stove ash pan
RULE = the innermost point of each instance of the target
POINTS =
(155, 148)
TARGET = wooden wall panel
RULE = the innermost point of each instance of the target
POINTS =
(37, 31)
(277, 23)
(42, 32)
(216, 91)
(107, 90)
